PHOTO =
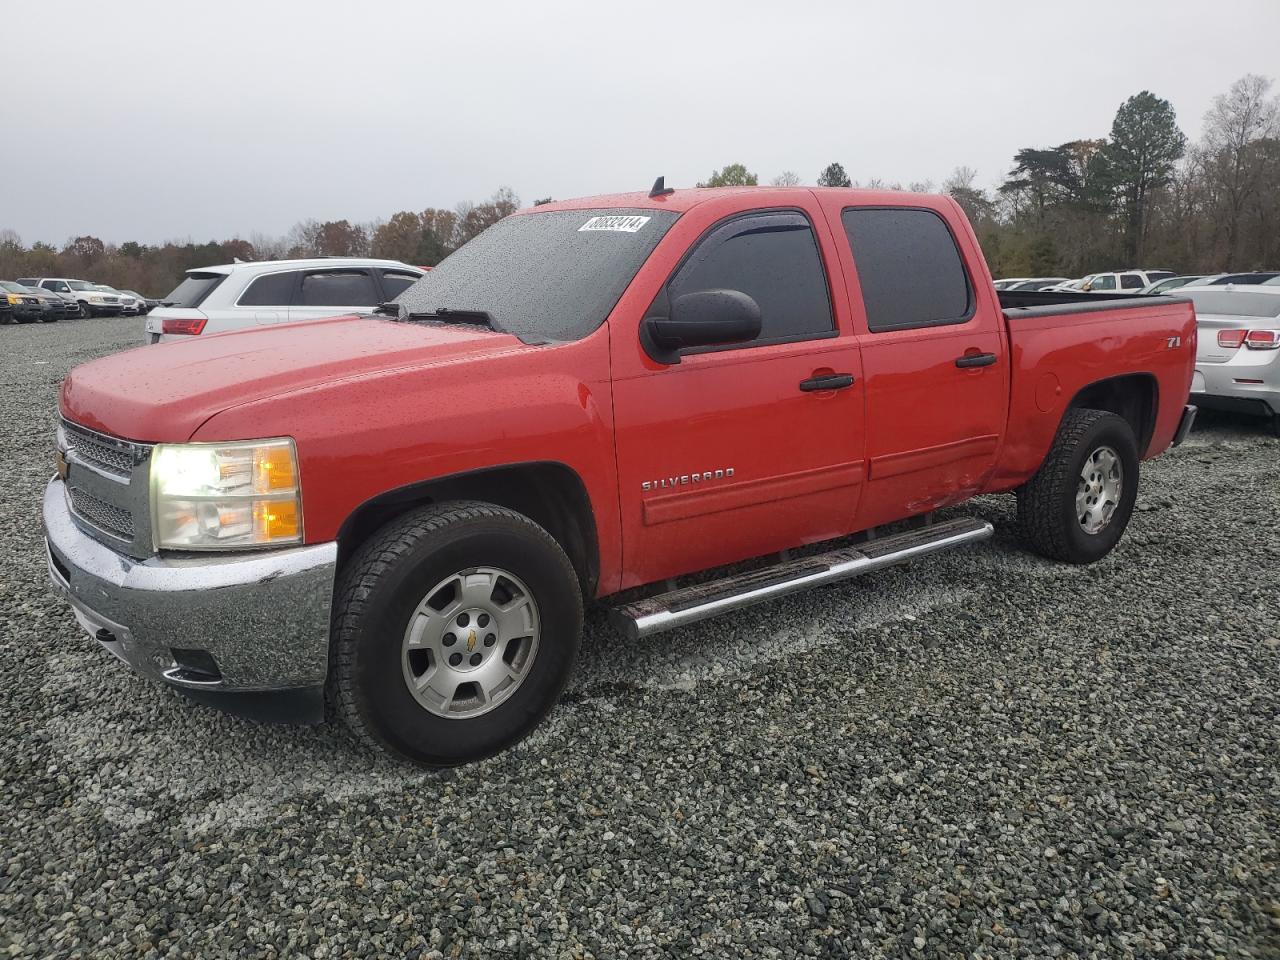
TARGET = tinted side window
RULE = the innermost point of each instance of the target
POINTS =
(273, 290)
(1131, 281)
(337, 288)
(909, 268)
(772, 258)
(395, 283)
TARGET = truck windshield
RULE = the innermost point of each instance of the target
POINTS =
(543, 276)
(1234, 303)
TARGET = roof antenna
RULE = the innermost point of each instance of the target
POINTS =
(660, 188)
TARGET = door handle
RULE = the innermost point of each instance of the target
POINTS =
(830, 381)
(976, 360)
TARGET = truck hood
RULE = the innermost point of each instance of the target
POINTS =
(164, 392)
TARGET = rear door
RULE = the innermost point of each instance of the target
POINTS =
(332, 291)
(934, 357)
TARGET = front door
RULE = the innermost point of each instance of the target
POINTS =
(739, 451)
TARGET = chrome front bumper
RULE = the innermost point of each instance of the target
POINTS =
(244, 622)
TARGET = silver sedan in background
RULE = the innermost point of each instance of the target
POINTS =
(1238, 349)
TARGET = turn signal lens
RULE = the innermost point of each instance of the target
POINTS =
(274, 469)
(233, 496)
(276, 520)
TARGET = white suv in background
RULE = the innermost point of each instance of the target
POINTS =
(238, 295)
(1125, 281)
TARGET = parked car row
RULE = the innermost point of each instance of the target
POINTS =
(89, 299)
(23, 304)
(1133, 281)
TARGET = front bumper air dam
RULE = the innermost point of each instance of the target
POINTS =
(262, 618)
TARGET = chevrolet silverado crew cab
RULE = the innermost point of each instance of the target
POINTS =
(401, 515)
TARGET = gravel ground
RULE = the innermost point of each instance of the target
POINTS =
(983, 754)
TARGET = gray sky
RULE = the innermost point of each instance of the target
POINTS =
(251, 116)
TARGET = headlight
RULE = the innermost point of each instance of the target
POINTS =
(13, 299)
(225, 496)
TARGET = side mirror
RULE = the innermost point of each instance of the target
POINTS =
(1086, 288)
(702, 319)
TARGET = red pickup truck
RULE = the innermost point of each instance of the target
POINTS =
(400, 515)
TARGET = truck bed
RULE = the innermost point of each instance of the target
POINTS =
(1063, 344)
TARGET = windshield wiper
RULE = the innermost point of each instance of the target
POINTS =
(478, 318)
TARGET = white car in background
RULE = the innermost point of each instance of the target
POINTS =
(1237, 349)
(238, 295)
(1038, 283)
(129, 304)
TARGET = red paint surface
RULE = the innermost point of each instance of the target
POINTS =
(375, 405)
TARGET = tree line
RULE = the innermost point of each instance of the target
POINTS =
(1144, 196)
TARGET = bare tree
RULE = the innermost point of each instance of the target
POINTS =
(1232, 153)
(787, 178)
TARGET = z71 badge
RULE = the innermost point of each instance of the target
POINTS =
(686, 478)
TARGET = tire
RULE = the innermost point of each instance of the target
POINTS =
(85, 312)
(387, 587)
(1048, 517)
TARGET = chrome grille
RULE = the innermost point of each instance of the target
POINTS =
(107, 485)
(104, 516)
(115, 458)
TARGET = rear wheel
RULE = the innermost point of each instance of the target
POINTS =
(1078, 504)
(454, 631)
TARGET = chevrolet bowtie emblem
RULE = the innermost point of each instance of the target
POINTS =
(471, 641)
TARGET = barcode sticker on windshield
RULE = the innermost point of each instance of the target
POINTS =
(617, 224)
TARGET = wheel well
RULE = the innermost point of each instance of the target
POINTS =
(550, 494)
(1133, 397)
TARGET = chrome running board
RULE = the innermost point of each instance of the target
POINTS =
(677, 608)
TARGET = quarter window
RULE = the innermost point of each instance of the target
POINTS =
(337, 288)
(273, 290)
(772, 258)
(909, 268)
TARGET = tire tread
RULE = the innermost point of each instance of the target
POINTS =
(1040, 498)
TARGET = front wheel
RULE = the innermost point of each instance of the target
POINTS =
(1078, 504)
(455, 628)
